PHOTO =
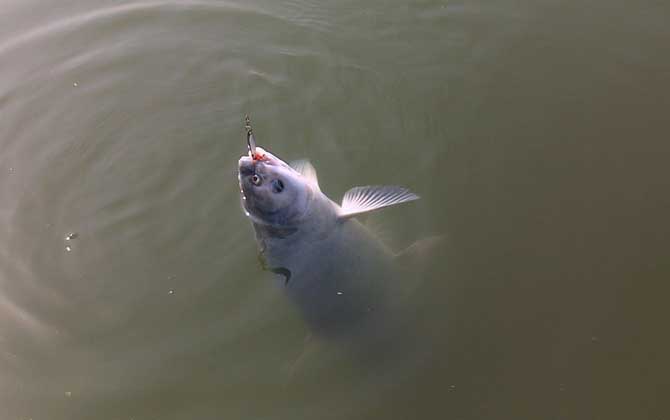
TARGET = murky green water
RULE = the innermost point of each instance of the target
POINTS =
(536, 133)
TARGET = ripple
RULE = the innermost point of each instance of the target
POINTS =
(119, 12)
(124, 133)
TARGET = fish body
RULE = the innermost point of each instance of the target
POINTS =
(329, 264)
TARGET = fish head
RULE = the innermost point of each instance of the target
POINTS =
(273, 193)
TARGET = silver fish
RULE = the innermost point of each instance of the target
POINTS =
(330, 265)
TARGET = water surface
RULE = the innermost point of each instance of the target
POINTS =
(536, 133)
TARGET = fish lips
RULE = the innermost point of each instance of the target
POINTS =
(255, 204)
(246, 166)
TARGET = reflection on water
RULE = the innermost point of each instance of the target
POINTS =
(534, 132)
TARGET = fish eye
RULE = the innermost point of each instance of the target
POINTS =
(256, 180)
(277, 185)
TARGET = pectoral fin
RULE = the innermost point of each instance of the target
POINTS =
(277, 270)
(421, 250)
(360, 200)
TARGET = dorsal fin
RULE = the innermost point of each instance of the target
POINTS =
(307, 170)
(360, 200)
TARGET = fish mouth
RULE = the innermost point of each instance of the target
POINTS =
(249, 165)
(253, 203)
(246, 166)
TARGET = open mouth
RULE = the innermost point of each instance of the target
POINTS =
(246, 170)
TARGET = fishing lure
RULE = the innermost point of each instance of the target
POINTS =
(251, 143)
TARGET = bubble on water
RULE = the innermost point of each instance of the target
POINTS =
(70, 236)
(68, 248)
(171, 292)
(339, 293)
(75, 84)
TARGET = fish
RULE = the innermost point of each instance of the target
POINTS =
(329, 264)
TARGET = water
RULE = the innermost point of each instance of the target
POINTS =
(536, 133)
